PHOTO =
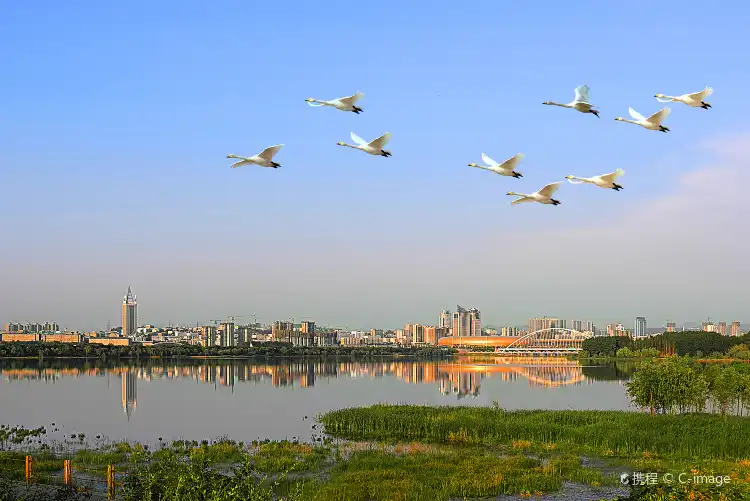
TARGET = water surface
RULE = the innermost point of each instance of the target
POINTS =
(251, 400)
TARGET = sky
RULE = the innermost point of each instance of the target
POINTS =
(117, 117)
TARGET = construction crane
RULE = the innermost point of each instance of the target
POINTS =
(232, 317)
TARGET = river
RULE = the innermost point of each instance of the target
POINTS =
(248, 400)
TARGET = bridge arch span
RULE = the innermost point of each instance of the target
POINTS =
(551, 339)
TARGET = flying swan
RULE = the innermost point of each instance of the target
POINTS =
(580, 103)
(504, 169)
(342, 103)
(374, 147)
(543, 196)
(264, 158)
(695, 100)
(603, 181)
(651, 123)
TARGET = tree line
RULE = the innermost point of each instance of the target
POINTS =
(258, 350)
(689, 343)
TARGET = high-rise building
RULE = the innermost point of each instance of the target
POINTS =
(734, 329)
(576, 325)
(466, 322)
(509, 331)
(208, 332)
(538, 324)
(417, 333)
(282, 331)
(708, 327)
(244, 335)
(129, 314)
(445, 319)
(475, 322)
(408, 332)
(460, 324)
(308, 327)
(721, 328)
(671, 326)
(227, 333)
(639, 329)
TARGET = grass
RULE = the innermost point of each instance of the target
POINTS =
(439, 475)
(397, 452)
(598, 433)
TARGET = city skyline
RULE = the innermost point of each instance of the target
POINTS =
(325, 235)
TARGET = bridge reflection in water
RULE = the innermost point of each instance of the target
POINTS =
(461, 376)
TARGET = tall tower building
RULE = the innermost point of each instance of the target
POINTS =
(639, 329)
(129, 314)
(671, 326)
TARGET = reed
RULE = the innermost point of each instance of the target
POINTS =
(445, 474)
(620, 433)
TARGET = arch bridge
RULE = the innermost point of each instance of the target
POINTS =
(552, 341)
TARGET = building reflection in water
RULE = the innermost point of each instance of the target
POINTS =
(129, 391)
(461, 376)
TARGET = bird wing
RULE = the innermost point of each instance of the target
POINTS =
(240, 163)
(358, 139)
(575, 181)
(511, 163)
(522, 200)
(548, 190)
(636, 115)
(486, 159)
(582, 94)
(610, 178)
(700, 96)
(381, 141)
(352, 99)
(659, 116)
(269, 152)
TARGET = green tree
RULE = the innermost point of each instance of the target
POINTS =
(725, 386)
(668, 385)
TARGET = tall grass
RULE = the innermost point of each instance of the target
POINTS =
(620, 433)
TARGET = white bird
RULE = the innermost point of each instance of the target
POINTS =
(342, 103)
(543, 196)
(374, 147)
(651, 123)
(580, 103)
(504, 169)
(264, 158)
(696, 99)
(603, 181)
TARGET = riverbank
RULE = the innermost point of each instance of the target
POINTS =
(387, 452)
(37, 350)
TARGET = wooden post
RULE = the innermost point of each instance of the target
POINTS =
(28, 469)
(110, 482)
(651, 394)
(67, 472)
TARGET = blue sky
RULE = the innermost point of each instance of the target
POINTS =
(117, 117)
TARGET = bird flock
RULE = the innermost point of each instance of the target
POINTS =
(507, 168)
